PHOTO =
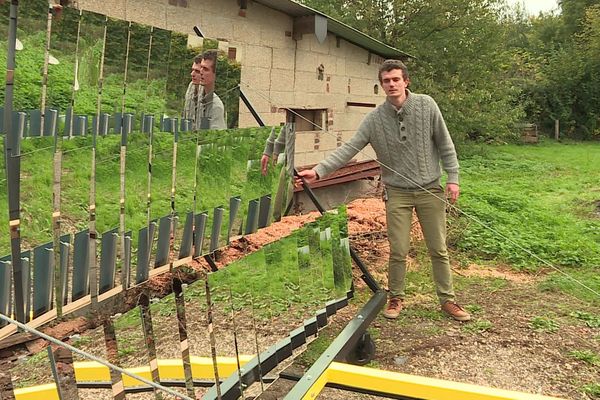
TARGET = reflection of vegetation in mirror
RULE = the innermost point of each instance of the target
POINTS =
(219, 284)
(75, 183)
(276, 278)
(225, 164)
(62, 59)
(4, 21)
(130, 338)
(195, 304)
(137, 70)
(186, 173)
(107, 185)
(31, 36)
(114, 67)
(88, 63)
(212, 183)
(240, 142)
(162, 162)
(342, 267)
(156, 85)
(228, 81)
(4, 239)
(136, 189)
(36, 190)
(180, 62)
(326, 254)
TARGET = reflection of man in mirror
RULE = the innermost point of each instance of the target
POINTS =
(202, 105)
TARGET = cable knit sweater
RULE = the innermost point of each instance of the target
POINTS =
(411, 141)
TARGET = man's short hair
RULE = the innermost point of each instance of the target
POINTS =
(389, 65)
(207, 55)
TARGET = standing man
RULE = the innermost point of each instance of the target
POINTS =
(201, 101)
(410, 138)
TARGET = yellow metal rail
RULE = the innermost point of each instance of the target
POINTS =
(91, 371)
(394, 383)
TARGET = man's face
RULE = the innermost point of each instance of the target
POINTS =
(207, 73)
(393, 83)
(196, 72)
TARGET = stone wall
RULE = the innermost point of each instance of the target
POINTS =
(278, 72)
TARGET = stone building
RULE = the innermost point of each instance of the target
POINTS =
(297, 64)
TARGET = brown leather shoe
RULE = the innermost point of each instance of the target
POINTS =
(455, 311)
(393, 308)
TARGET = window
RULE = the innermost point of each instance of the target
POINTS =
(308, 120)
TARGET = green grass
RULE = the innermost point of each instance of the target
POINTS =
(593, 389)
(477, 326)
(592, 321)
(541, 205)
(587, 356)
(544, 324)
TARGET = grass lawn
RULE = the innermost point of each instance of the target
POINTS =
(543, 205)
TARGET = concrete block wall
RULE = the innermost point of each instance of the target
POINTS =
(278, 72)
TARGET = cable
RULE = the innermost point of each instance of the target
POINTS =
(93, 358)
(475, 219)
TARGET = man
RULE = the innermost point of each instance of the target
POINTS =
(201, 101)
(410, 138)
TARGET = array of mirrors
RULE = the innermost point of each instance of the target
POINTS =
(237, 312)
(98, 104)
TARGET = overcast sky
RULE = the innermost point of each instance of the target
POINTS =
(533, 7)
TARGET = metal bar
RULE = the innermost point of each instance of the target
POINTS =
(145, 240)
(212, 338)
(112, 355)
(81, 265)
(263, 211)
(185, 248)
(13, 166)
(25, 285)
(65, 256)
(252, 218)
(144, 304)
(216, 228)
(108, 261)
(43, 278)
(5, 287)
(126, 268)
(164, 240)
(312, 382)
(234, 207)
(61, 363)
(199, 229)
(251, 108)
(183, 335)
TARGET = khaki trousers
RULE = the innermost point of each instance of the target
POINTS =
(431, 211)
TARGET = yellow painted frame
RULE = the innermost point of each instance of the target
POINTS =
(91, 371)
(409, 385)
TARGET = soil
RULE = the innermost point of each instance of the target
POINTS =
(502, 347)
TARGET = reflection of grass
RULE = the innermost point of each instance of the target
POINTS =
(281, 276)
(219, 167)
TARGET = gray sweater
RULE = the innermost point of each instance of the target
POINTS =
(411, 141)
(199, 104)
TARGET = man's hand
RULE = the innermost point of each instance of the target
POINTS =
(309, 175)
(264, 163)
(452, 192)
